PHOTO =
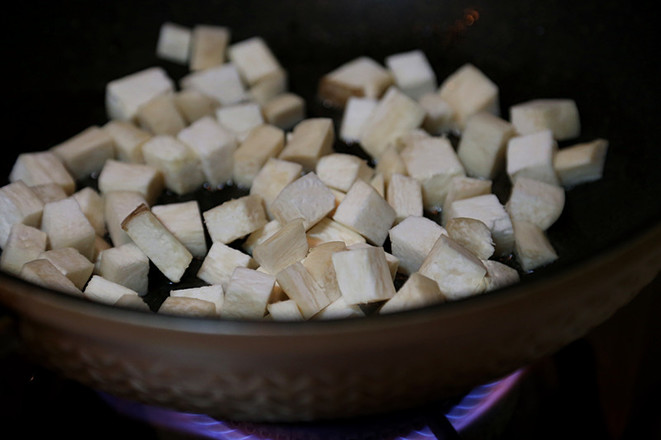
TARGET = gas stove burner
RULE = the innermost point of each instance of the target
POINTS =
(442, 421)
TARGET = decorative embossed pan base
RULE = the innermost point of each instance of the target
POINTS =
(609, 237)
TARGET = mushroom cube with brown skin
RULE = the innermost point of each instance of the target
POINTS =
(457, 271)
(532, 156)
(18, 204)
(310, 140)
(43, 273)
(126, 265)
(340, 170)
(263, 142)
(411, 240)
(219, 263)
(125, 176)
(536, 202)
(286, 246)
(361, 77)
(483, 144)
(532, 248)
(394, 115)
(581, 163)
(42, 167)
(235, 218)
(213, 293)
(66, 226)
(222, 83)
(214, 147)
(247, 294)
(180, 166)
(71, 263)
(558, 115)
(208, 46)
(160, 115)
(300, 286)
(184, 220)
(365, 211)
(126, 94)
(117, 206)
(363, 275)
(25, 243)
(128, 139)
(167, 253)
(306, 197)
(417, 291)
(272, 178)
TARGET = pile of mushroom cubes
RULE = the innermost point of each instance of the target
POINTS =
(309, 238)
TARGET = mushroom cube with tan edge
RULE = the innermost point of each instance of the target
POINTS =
(457, 271)
(213, 294)
(71, 263)
(319, 263)
(42, 167)
(462, 187)
(532, 248)
(581, 163)
(284, 110)
(558, 115)
(433, 162)
(483, 144)
(360, 77)
(469, 91)
(220, 262)
(394, 115)
(222, 83)
(102, 290)
(263, 142)
(412, 239)
(365, 211)
(180, 166)
(214, 146)
(393, 261)
(488, 209)
(247, 294)
(194, 105)
(124, 95)
(532, 156)
(269, 87)
(418, 291)
(18, 204)
(208, 46)
(274, 176)
(25, 243)
(125, 176)
(67, 226)
(187, 306)
(128, 139)
(235, 218)
(184, 220)
(92, 205)
(536, 202)
(499, 275)
(167, 253)
(44, 273)
(306, 197)
(126, 265)
(287, 246)
(260, 236)
(117, 206)
(160, 116)
(310, 140)
(340, 170)
(363, 275)
(300, 286)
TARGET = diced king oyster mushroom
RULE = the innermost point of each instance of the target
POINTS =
(127, 265)
(284, 110)
(254, 59)
(363, 275)
(247, 294)
(194, 105)
(341, 170)
(418, 291)
(412, 239)
(24, 243)
(180, 166)
(483, 145)
(117, 206)
(208, 46)
(18, 204)
(49, 192)
(174, 41)
(122, 176)
(361, 77)
(213, 293)
(93, 206)
(536, 202)
(185, 306)
(472, 234)
(222, 83)
(356, 112)
(160, 115)
(532, 248)
(560, 116)
(286, 310)
(42, 167)
(412, 73)
(128, 139)
(306, 197)
(300, 286)
(44, 273)
(102, 290)
(71, 263)
(581, 163)
(220, 261)
(310, 140)
(532, 156)
(125, 95)
(499, 275)
(263, 142)
(240, 118)
(235, 218)
(272, 178)
(184, 220)
(404, 194)
(319, 263)
(286, 246)
(67, 226)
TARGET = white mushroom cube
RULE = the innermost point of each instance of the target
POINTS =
(248, 293)
(319, 263)
(40, 168)
(363, 275)
(49, 192)
(301, 287)
(254, 59)
(208, 46)
(462, 187)
(235, 218)
(483, 144)
(125, 176)
(393, 262)
(404, 194)
(310, 140)
(184, 220)
(457, 271)
(174, 41)
(356, 112)
(472, 234)
(125, 95)
(418, 291)
(394, 115)
(71, 263)
(260, 235)
(532, 248)
(439, 118)
(411, 240)
(221, 83)
(86, 152)
(558, 115)
(43, 273)
(126, 265)
(93, 206)
(341, 170)
(214, 147)
(25, 243)
(499, 275)
(328, 230)
(240, 118)
(117, 206)
(66, 226)
(214, 294)
(272, 178)
(128, 139)
(581, 163)
(18, 204)
(180, 166)
(286, 246)
(433, 162)
(361, 77)
(284, 110)
(219, 264)
(535, 202)
(263, 142)
(286, 310)
(412, 72)
(167, 253)
(306, 197)
(160, 115)
(532, 156)
(365, 211)
(468, 91)
(488, 209)
(186, 306)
